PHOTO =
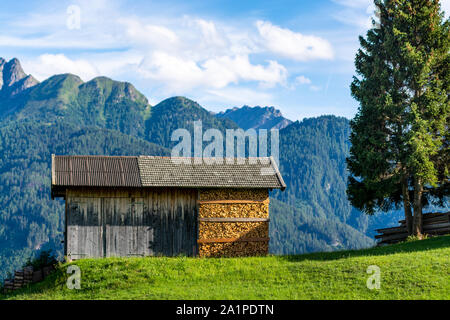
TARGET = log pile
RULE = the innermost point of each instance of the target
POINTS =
(21, 278)
(233, 222)
(234, 249)
(433, 224)
(26, 276)
(18, 279)
(8, 285)
(234, 210)
(214, 230)
(233, 194)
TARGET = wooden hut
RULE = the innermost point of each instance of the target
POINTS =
(147, 206)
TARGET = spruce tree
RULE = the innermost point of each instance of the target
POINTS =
(400, 147)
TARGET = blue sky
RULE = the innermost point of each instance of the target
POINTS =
(294, 55)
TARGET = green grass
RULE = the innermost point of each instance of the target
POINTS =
(410, 270)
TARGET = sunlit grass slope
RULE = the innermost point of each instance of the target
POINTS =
(411, 270)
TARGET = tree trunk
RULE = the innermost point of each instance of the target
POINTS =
(417, 221)
(407, 206)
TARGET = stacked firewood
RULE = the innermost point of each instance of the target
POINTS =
(8, 285)
(214, 230)
(228, 210)
(433, 224)
(233, 194)
(21, 278)
(26, 276)
(18, 279)
(234, 249)
(233, 222)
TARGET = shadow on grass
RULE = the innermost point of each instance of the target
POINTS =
(404, 247)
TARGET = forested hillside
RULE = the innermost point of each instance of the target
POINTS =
(180, 112)
(100, 102)
(296, 229)
(64, 115)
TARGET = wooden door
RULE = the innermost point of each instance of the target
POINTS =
(175, 219)
(127, 227)
(158, 222)
(84, 231)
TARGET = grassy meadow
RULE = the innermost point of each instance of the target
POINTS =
(409, 270)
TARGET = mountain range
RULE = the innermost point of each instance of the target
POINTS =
(64, 115)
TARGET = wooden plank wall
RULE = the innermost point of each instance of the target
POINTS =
(131, 222)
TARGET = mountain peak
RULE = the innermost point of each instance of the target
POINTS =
(180, 102)
(12, 72)
(115, 90)
(256, 117)
(12, 77)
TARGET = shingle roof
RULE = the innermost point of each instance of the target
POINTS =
(147, 171)
(96, 171)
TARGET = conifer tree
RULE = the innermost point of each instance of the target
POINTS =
(400, 135)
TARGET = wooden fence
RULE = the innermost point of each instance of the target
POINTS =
(433, 224)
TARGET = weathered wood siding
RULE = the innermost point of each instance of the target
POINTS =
(133, 222)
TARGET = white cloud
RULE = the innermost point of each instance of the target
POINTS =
(178, 54)
(170, 69)
(210, 34)
(182, 73)
(293, 45)
(47, 65)
(224, 70)
(232, 95)
(302, 80)
(203, 39)
(148, 34)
